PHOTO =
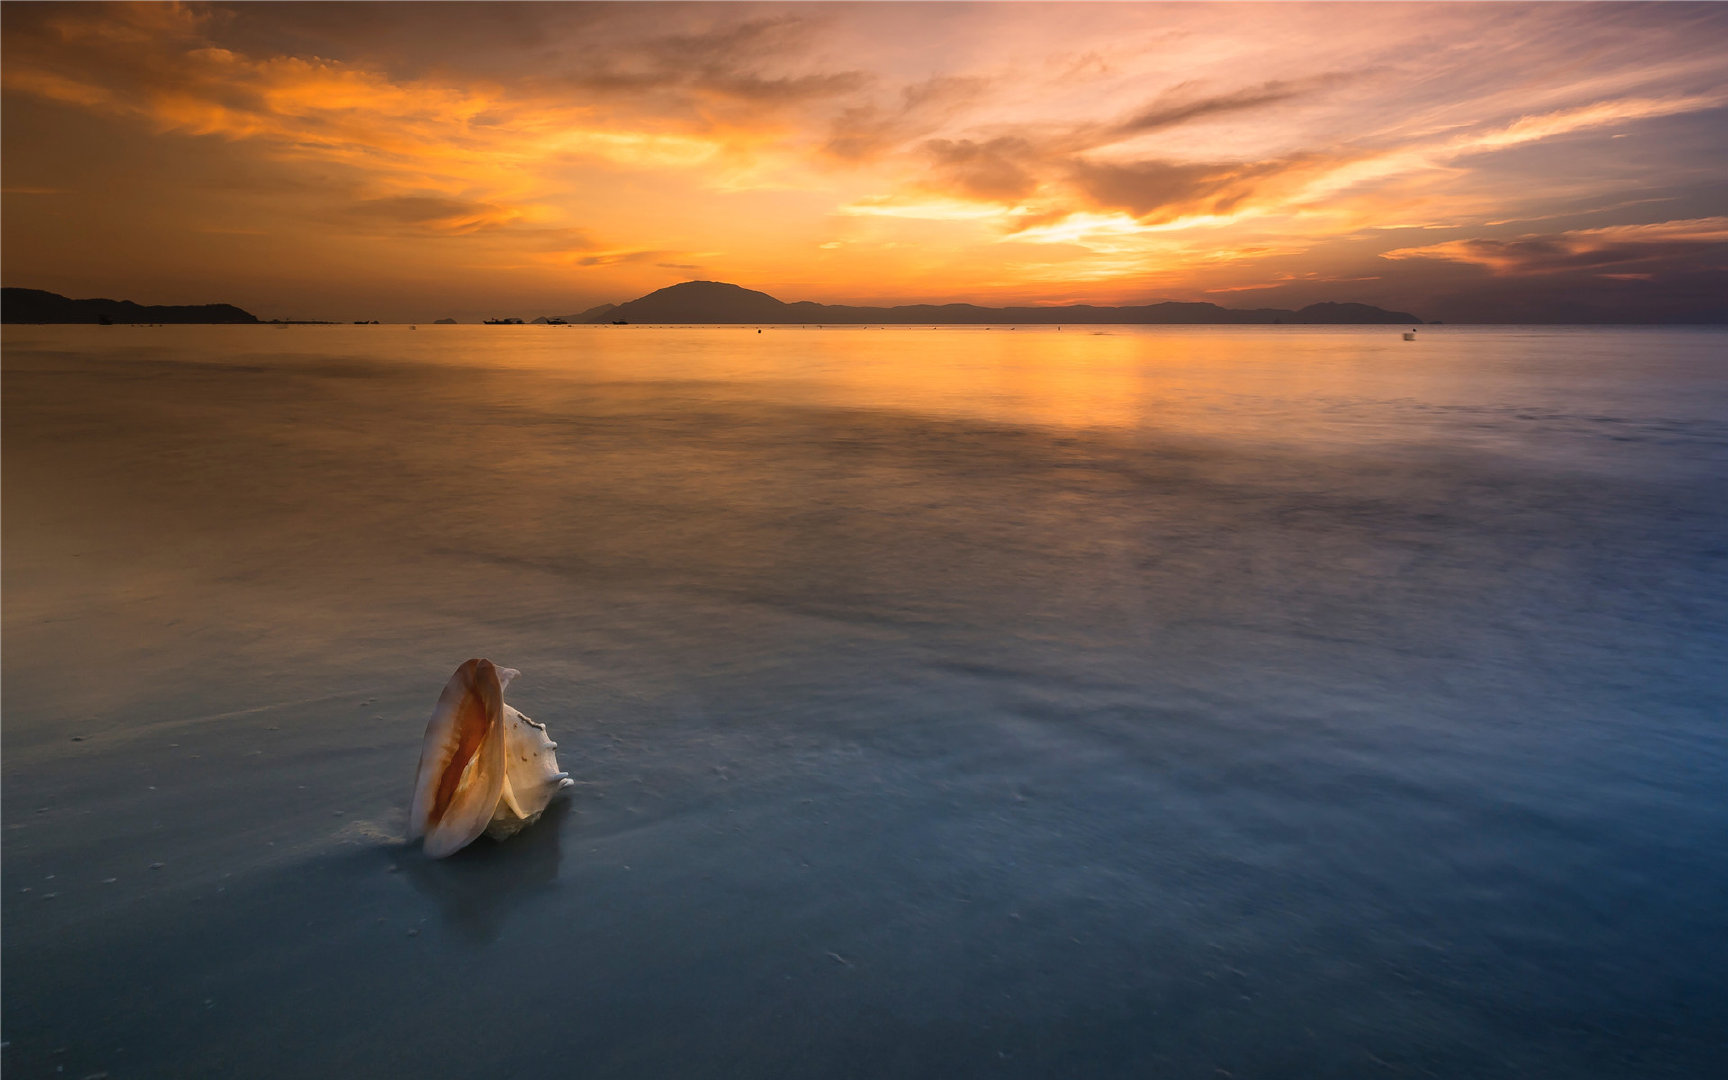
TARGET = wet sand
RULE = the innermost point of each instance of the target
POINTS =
(1146, 705)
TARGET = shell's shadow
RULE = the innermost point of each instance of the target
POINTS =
(478, 887)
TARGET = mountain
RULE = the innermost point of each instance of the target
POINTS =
(1329, 312)
(719, 302)
(706, 301)
(602, 313)
(38, 306)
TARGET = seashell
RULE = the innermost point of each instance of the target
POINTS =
(484, 767)
(531, 776)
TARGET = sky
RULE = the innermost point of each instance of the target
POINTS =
(404, 161)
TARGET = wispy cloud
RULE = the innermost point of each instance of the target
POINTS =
(1181, 105)
(435, 212)
(1613, 247)
(868, 130)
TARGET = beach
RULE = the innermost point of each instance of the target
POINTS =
(1116, 701)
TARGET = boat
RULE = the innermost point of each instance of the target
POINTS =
(502, 322)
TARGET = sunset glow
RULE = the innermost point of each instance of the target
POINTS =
(409, 162)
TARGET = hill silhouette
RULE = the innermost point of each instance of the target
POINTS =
(721, 302)
(39, 306)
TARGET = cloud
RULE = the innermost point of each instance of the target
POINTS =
(1006, 145)
(1616, 247)
(56, 87)
(431, 155)
(614, 258)
(867, 131)
(1162, 191)
(1281, 281)
(1175, 107)
(728, 61)
(451, 133)
(437, 213)
(992, 171)
(1158, 192)
(1008, 168)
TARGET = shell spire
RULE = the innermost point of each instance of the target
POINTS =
(484, 767)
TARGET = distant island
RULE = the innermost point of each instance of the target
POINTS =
(719, 302)
(39, 306)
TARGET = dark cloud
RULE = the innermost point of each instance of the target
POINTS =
(1008, 168)
(408, 40)
(1176, 107)
(437, 215)
(614, 258)
(119, 52)
(1607, 247)
(753, 65)
(1163, 190)
(731, 60)
(454, 215)
(1562, 253)
(992, 170)
(657, 56)
(1674, 271)
(863, 132)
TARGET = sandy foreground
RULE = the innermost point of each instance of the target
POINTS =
(907, 742)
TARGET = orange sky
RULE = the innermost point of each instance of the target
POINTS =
(408, 161)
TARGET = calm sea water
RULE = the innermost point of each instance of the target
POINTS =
(1151, 702)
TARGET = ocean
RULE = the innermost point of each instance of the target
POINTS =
(949, 702)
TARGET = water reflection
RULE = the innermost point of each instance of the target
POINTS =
(478, 888)
(1173, 684)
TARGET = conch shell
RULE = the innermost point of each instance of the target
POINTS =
(484, 767)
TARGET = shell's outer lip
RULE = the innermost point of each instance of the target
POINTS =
(461, 762)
